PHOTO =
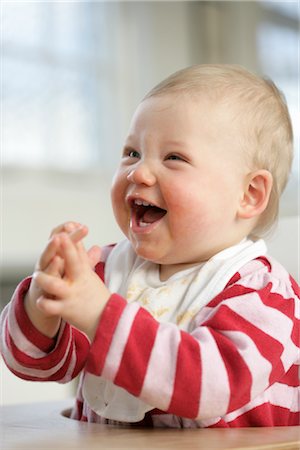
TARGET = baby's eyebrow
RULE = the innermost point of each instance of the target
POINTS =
(175, 143)
(128, 148)
(130, 138)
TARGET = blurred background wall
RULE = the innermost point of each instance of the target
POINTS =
(72, 75)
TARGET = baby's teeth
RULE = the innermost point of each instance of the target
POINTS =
(144, 224)
(141, 202)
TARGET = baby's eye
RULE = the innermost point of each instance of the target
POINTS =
(174, 157)
(131, 153)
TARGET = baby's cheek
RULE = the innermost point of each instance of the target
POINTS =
(121, 213)
(118, 190)
(184, 201)
(192, 219)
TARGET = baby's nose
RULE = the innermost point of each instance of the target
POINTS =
(142, 174)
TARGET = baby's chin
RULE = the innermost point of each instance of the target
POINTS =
(146, 254)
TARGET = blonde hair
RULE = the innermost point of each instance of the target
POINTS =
(262, 112)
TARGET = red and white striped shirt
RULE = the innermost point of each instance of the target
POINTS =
(236, 364)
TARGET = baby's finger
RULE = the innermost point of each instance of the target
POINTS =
(49, 306)
(94, 254)
(90, 257)
(56, 267)
(52, 285)
(67, 227)
(72, 255)
(48, 254)
(53, 246)
(78, 234)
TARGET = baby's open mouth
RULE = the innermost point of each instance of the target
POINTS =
(145, 213)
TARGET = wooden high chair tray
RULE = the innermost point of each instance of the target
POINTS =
(43, 426)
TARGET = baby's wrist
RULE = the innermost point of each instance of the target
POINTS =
(91, 330)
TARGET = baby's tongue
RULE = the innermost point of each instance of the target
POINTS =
(153, 214)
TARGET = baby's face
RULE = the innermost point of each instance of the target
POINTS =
(180, 181)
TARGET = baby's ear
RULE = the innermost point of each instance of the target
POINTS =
(256, 194)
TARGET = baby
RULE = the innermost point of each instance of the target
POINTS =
(187, 322)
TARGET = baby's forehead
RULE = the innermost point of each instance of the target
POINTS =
(187, 114)
(216, 105)
(219, 98)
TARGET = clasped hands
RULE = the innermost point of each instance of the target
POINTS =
(64, 284)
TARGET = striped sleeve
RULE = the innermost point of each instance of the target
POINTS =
(30, 354)
(245, 342)
(33, 356)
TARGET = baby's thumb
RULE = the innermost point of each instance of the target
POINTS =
(94, 254)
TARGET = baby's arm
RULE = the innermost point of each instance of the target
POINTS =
(26, 350)
(231, 358)
(78, 297)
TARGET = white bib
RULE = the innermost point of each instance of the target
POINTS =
(176, 300)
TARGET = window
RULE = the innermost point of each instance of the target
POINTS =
(278, 56)
(56, 84)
